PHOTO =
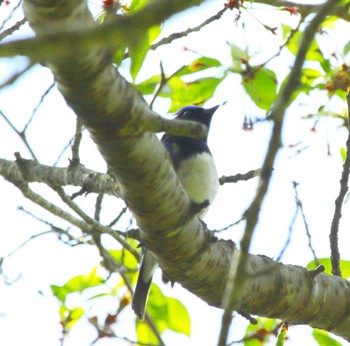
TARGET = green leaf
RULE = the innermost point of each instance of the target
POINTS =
(158, 310)
(70, 316)
(266, 323)
(261, 86)
(343, 153)
(194, 93)
(282, 336)
(77, 284)
(167, 314)
(137, 5)
(157, 307)
(197, 65)
(145, 335)
(126, 259)
(341, 94)
(81, 282)
(60, 292)
(237, 54)
(179, 318)
(326, 65)
(286, 30)
(323, 338)
(138, 48)
(119, 54)
(309, 76)
(346, 49)
(148, 86)
(330, 22)
(153, 32)
(263, 329)
(326, 262)
(314, 53)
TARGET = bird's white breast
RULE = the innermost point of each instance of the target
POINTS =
(199, 177)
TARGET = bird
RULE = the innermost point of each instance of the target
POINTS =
(196, 170)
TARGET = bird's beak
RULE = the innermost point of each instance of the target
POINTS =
(211, 111)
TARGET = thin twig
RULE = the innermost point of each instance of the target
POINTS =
(229, 226)
(34, 236)
(122, 212)
(21, 134)
(10, 31)
(290, 231)
(177, 35)
(90, 228)
(333, 237)
(306, 225)
(15, 76)
(72, 240)
(77, 140)
(42, 98)
(98, 207)
(66, 147)
(239, 177)
(290, 36)
(90, 221)
(163, 81)
(237, 275)
(11, 14)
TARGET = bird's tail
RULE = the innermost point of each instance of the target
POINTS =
(144, 281)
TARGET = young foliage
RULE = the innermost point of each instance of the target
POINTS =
(262, 82)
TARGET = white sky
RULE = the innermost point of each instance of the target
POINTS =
(30, 318)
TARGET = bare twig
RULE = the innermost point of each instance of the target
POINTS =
(98, 206)
(76, 175)
(89, 228)
(163, 81)
(299, 207)
(122, 212)
(96, 225)
(15, 76)
(21, 135)
(42, 98)
(237, 275)
(11, 14)
(229, 226)
(72, 240)
(290, 231)
(66, 147)
(333, 237)
(239, 177)
(178, 35)
(77, 140)
(290, 36)
(306, 225)
(37, 235)
(82, 39)
(10, 31)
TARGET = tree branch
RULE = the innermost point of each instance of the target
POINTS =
(75, 174)
(333, 237)
(89, 228)
(238, 275)
(113, 111)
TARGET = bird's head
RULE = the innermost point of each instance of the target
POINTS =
(196, 113)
